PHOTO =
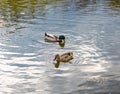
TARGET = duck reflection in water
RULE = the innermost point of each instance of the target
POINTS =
(65, 58)
(54, 38)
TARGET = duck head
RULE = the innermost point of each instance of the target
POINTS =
(57, 59)
(62, 40)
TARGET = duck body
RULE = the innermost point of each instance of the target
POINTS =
(53, 39)
(66, 57)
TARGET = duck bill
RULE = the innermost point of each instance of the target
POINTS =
(55, 58)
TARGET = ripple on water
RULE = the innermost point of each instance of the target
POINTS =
(91, 28)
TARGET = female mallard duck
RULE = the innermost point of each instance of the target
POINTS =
(53, 38)
(66, 57)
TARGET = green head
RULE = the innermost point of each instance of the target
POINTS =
(61, 37)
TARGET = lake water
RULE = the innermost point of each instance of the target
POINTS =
(92, 30)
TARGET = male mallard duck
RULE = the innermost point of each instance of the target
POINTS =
(53, 38)
(66, 57)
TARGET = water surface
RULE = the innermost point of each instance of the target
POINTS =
(92, 32)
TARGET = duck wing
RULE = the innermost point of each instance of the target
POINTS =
(66, 58)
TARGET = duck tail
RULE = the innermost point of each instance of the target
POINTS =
(45, 34)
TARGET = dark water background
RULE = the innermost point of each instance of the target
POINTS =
(92, 30)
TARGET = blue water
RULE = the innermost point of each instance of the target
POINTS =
(92, 32)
